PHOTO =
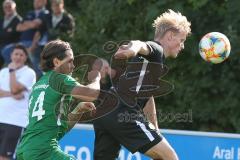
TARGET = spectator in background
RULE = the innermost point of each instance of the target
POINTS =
(16, 81)
(8, 32)
(60, 24)
(27, 34)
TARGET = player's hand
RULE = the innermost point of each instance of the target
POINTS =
(126, 51)
(84, 107)
(94, 75)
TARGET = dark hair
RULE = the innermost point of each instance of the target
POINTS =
(53, 49)
(23, 48)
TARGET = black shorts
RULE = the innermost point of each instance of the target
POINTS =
(9, 136)
(123, 127)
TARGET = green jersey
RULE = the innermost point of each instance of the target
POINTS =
(48, 110)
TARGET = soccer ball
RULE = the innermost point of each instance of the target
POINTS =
(214, 47)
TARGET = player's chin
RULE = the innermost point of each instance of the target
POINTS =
(69, 73)
(174, 55)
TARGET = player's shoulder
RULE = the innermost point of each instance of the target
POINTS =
(154, 46)
(155, 52)
(53, 75)
(59, 79)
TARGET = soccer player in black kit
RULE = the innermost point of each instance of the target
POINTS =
(133, 123)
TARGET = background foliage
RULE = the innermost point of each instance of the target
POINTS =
(206, 96)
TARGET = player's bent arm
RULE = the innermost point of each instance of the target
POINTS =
(132, 49)
(140, 47)
(150, 112)
(78, 111)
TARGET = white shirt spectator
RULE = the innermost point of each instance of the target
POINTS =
(12, 111)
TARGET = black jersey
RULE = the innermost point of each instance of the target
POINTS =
(133, 83)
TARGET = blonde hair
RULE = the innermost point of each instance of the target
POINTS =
(173, 21)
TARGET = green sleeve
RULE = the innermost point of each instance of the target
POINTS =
(62, 83)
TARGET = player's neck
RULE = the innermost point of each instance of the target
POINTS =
(163, 43)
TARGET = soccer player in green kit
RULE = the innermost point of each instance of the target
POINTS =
(49, 114)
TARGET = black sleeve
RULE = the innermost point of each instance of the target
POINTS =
(156, 52)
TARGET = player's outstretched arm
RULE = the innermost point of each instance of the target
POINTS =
(132, 49)
(89, 92)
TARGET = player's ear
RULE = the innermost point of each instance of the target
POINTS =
(56, 62)
(169, 35)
